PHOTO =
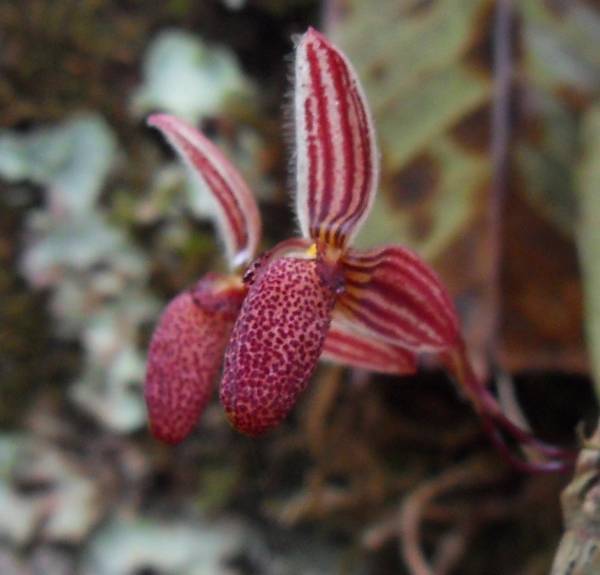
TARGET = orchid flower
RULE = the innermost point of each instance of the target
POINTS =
(309, 298)
(188, 344)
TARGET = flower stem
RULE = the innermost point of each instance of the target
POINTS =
(545, 457)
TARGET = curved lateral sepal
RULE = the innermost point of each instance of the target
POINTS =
(393, 295)
(346, 346)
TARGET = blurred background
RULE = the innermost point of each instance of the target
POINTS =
(488, 120)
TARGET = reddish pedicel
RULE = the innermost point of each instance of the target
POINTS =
(185, 355)
(275, 344)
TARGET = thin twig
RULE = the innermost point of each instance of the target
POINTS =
(451, 548)
(414, 506)
(500, 155)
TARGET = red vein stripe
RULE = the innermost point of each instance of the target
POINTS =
(324, 139)
(346, 346)
(237, 213)
(393, 295)
(420, 276)
(336, 154)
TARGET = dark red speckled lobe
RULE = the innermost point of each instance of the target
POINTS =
(186, 353)
(275, 344)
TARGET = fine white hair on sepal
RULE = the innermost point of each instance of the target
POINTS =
(337, 162)
(288, 114)
(300, 148)
(241, 258)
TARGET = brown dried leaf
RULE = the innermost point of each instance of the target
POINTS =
(430, 79)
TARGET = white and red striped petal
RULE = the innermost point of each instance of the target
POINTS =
(393, 295)
(237, 214)
(346, 346)
(336, 153)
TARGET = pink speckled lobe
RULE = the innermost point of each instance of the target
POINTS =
(275, 344)
(185, 355)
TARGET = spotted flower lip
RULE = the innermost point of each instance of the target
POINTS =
(275, 344)
(185, 354)
(314, 296)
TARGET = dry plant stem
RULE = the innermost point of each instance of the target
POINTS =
(579, 549)
(376, 536)
(386, 529)
(325, 395)
(324, 428)
(507, 398)
(495, 421)
(414, 508)
(500, 155)
(316, 503)
(452, 548)
(453, 544)
(491, 411)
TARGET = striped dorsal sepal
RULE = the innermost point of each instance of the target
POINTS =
(336, 152)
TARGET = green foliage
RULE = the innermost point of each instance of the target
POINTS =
(589, 234)
(420, 85)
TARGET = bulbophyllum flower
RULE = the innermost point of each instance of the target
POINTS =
(310, 297)
(187, 346)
